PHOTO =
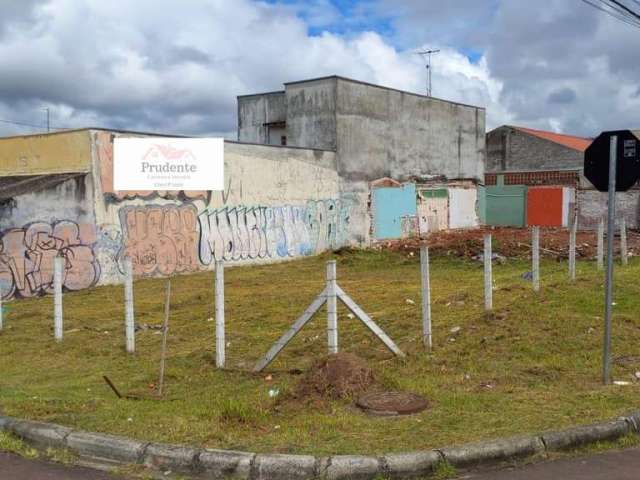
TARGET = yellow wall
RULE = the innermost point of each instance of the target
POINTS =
(43, 154)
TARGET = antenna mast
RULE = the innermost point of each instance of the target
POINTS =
(426, 55)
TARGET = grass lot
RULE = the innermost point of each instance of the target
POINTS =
(533, 365)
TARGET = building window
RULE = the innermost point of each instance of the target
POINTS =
(283, 140)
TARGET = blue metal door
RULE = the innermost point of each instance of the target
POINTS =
(389, 205)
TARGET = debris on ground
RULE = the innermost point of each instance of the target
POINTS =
(339, 376)
(508, 241)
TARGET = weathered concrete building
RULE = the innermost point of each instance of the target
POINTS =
(361, 162)
(376, 132)
(512, 148)
(535, 177)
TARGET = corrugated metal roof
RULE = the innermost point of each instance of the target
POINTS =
(576, 143)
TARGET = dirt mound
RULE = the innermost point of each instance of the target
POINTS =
(339, 376)
(509, 242)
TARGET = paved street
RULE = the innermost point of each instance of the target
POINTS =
(619, 465)
(13, 467)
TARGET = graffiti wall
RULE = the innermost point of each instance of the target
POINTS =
(248, 233)
(160, 240)
(26, 258)
(278, 203)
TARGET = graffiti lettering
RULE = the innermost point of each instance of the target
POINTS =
(26, 258)
(160, 239)
(244, 233)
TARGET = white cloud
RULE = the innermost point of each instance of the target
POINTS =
(177, 67)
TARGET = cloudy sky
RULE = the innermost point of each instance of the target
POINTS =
(176, 66)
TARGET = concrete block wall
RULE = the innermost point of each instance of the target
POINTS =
(383, 132)
(256, 112)
(593, 205)
(511, 149)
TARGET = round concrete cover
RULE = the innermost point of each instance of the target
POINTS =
(392, 403)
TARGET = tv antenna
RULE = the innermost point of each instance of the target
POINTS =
(426, 55)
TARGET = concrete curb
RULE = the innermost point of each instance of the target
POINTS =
(110, 450)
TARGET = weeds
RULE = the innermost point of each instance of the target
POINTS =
(533, 366)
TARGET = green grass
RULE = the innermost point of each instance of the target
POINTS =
(13, 444)
(533, 365)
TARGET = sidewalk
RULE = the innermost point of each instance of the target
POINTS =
(13, 467)
(619, 465)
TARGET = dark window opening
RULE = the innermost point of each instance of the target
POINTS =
(283, 140)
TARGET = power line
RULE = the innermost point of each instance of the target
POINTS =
(615, 12)
(47, 127)
(12, 122)
(625, 8)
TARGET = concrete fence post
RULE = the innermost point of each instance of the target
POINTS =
(58, 265)
(220, 330)
(535, 258)
(623, 241)
(600, 254)
(488, 280)
(426, 298)
(332, 308)
(572, 249)
(129, 320)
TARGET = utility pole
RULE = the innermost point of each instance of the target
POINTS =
(48, 122)
(426, 55)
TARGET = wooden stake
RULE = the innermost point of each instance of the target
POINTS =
(129, 321)
(165, 328)
(220, 330)
(600, 258)
(488, 274)
(58, 265)
(535, 258)
(426, 298)
(332, 308)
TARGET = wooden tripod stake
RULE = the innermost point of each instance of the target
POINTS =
(329, 295)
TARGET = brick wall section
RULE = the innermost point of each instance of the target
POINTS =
(512, 149)
(565, 178)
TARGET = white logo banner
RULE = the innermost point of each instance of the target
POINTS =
(163, 163)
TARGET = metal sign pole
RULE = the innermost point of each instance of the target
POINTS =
(606, 363)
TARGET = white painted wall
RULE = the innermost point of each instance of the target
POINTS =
(462, 207)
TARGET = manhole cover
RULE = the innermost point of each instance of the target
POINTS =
(392, 403)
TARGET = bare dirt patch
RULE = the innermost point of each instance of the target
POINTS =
(340, 376)
(509, 242)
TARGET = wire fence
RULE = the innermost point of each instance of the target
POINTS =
(141, 315)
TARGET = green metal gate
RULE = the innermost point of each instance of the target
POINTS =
(505, 205)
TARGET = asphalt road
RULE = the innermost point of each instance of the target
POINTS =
(618, 465)
(13, 467)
